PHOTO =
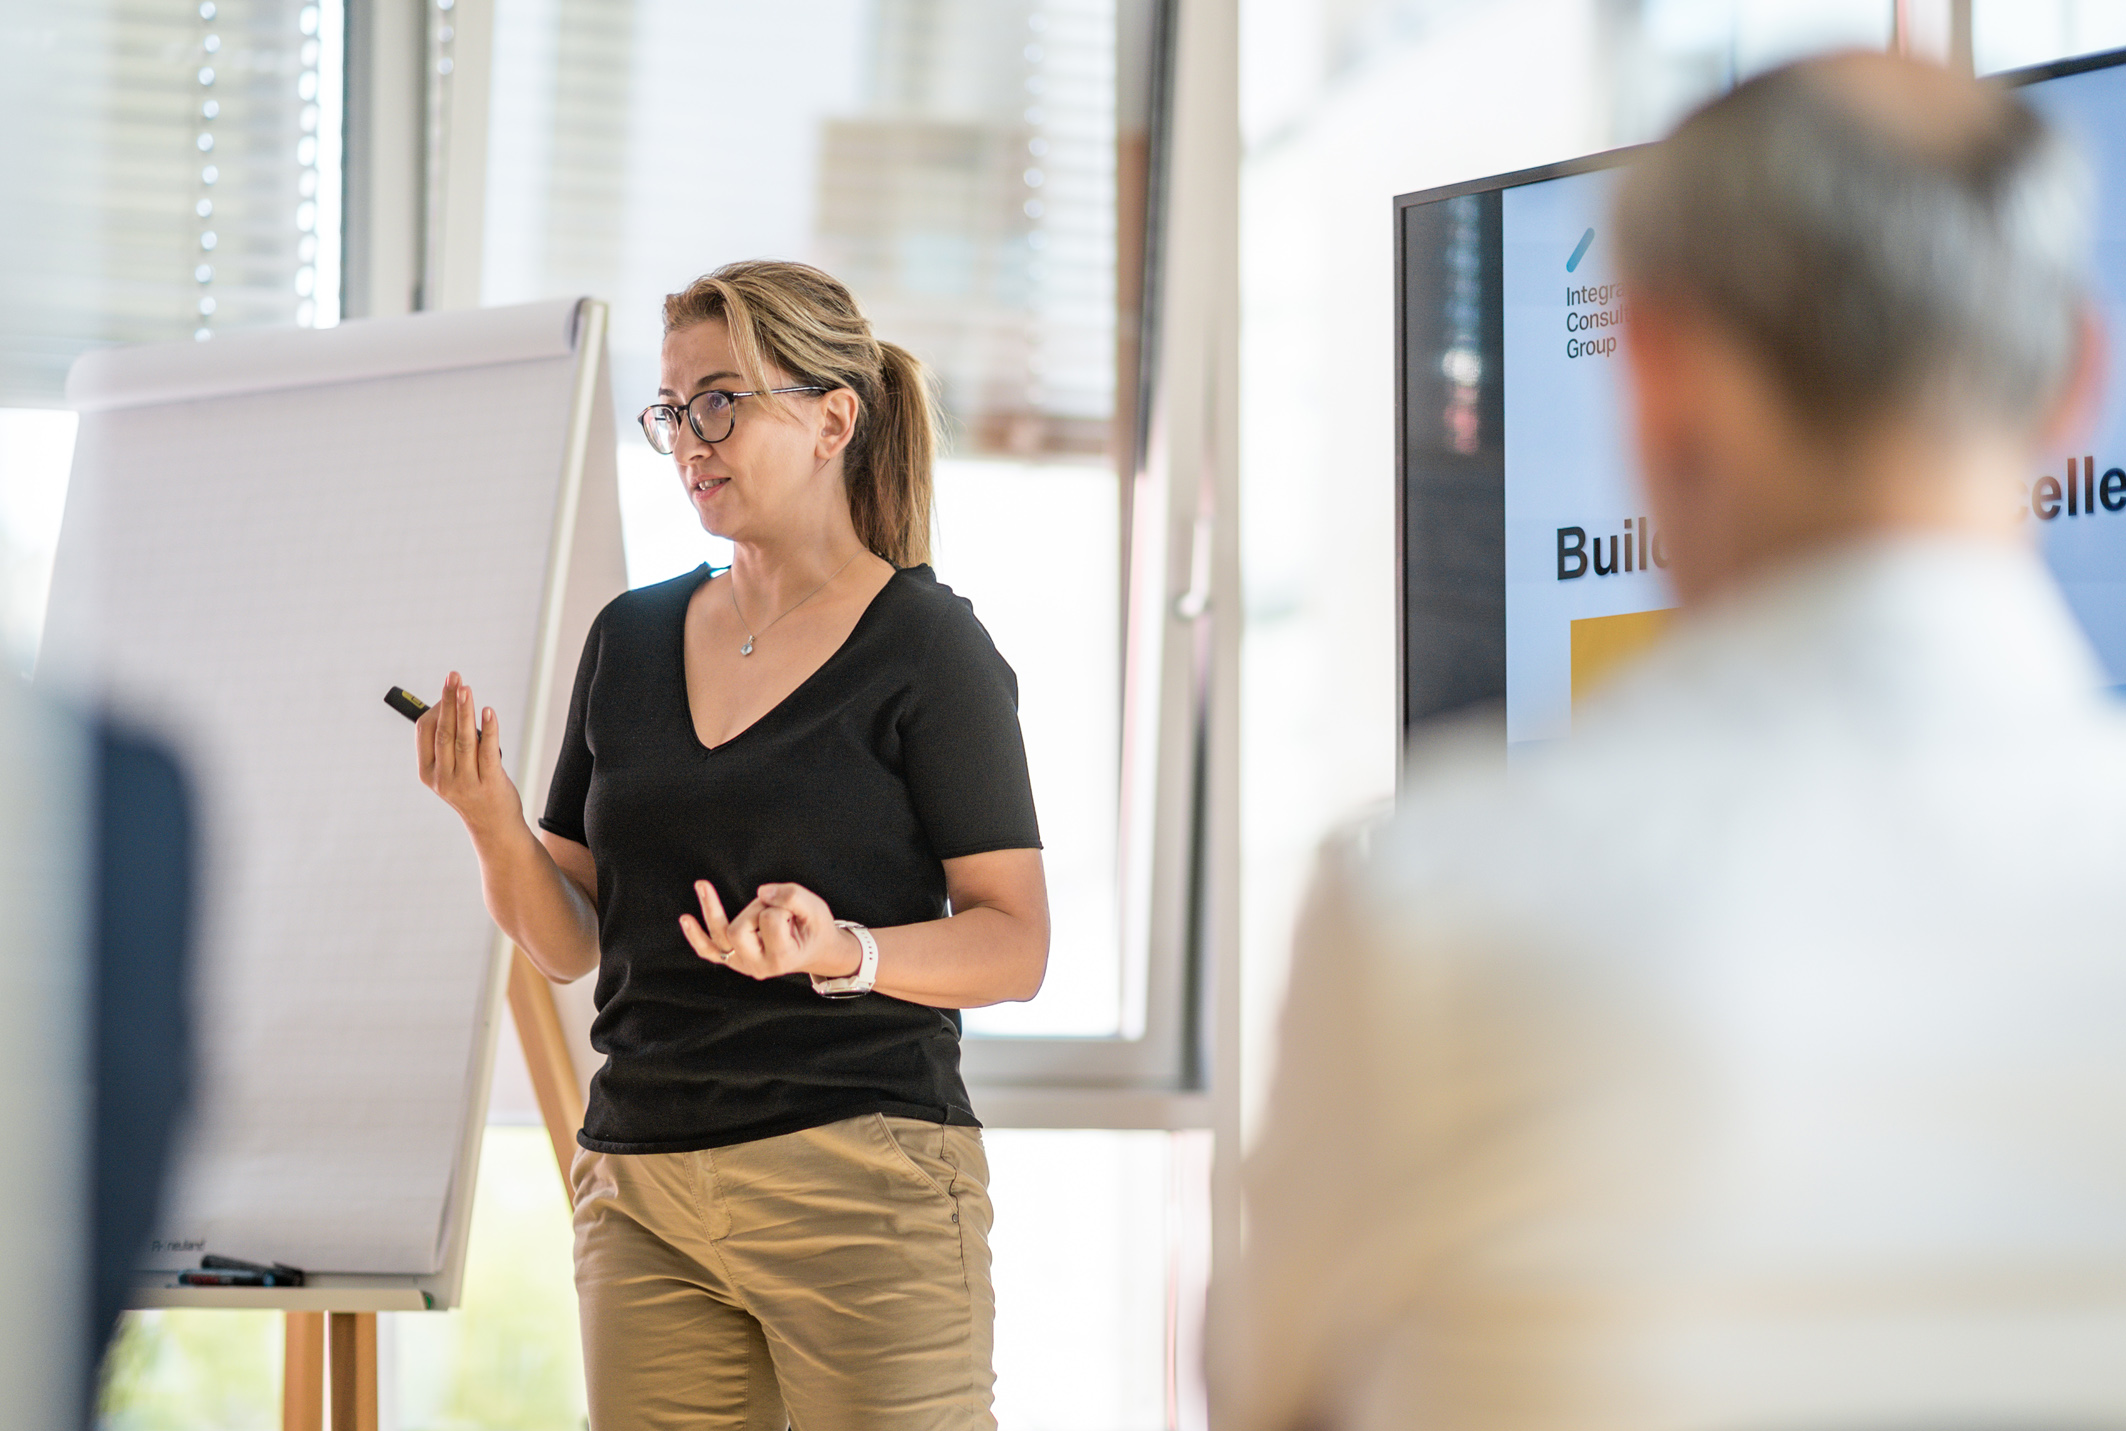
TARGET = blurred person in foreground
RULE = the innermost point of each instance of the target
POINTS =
(1757, 1058)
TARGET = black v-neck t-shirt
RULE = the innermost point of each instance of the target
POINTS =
(899, 753)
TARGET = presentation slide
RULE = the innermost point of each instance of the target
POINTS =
(1584, 581)
(2078, 500)
(1585, 587)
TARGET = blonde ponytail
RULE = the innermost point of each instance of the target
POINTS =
(795, 318)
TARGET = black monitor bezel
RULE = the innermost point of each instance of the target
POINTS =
(1585, 164)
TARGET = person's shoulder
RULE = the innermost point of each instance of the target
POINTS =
(1497, 846)
(636, 620)
(941, 620)
(1456, 815)
(651, 602)
(922, 594)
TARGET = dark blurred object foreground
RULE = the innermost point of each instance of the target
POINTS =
(142, 1036)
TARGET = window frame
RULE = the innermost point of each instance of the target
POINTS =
(416, 175)
(1178, 811)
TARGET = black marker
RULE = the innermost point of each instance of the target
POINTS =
(217, 1271)
(406, 703)
(203, 1277)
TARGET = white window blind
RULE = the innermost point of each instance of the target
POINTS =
(974, 170)
(953, 161)
(170, 168)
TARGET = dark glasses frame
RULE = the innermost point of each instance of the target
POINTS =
(663, 417)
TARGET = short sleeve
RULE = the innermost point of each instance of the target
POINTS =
(961, 747)
(571, 785)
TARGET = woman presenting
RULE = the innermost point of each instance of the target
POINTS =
(791, 829)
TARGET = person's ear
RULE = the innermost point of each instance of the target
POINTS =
(837, 423)
(2073, 415)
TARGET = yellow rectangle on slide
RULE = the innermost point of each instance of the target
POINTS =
(1603, 645)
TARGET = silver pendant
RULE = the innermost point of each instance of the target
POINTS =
(747, 649)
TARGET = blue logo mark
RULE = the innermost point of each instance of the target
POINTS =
(1586, 242)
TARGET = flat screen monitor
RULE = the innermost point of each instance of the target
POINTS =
(1528, 566)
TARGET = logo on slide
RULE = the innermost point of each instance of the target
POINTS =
(1586, 242)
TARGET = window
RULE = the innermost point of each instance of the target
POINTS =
(985, 174)
(2010, 34)
(36, 451)
(506, 1359)
(981, 173)
(185, 178)
(975, 171)
(1678, 53)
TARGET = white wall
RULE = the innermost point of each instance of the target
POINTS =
(1476, 90)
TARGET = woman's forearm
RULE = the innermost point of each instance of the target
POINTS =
(976, 957)
(544, 912)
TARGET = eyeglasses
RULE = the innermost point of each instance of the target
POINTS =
(711, 414)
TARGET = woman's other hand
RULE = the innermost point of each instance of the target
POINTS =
(787, 929)
(461, 760)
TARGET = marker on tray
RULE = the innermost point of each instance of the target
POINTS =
(215, 1271)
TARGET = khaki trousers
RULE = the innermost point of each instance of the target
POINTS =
(832, 1278)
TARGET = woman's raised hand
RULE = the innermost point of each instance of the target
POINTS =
(787, 929)
(461, 760)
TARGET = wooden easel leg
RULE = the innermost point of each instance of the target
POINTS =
(303, 1372)
(354, 1394)
(546, 1056)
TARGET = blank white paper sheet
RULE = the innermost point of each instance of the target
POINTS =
(263, 533)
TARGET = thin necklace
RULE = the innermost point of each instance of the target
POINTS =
(751, 634)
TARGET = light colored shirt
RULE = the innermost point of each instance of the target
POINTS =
(1755, 1059)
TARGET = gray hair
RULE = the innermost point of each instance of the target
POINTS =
(1877, 261)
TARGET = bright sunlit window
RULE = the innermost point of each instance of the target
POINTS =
(2010, 34)
(36, 452)
(956, 165)
(1034, 546)
(505, 1360)
(185, 163)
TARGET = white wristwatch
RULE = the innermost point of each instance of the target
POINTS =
(849, 986)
